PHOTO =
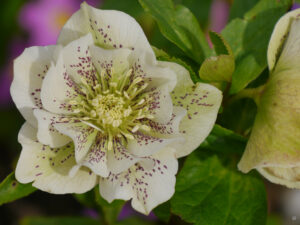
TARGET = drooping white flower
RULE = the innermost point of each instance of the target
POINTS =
(100, 109)
(273, 147)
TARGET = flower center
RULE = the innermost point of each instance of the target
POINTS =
(109, 109)
(113, 103)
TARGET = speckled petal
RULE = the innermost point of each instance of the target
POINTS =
(61, 82)
(29, 71)
(96, 159)
(119, 159)
(47, 134)
(110, 29)
(202, 103)
(82, 135)
(146, 186)
(160, 136)
(48, 168)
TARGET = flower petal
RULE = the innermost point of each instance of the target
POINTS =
(110, 29)
(148, 187)
(48, 168)
(273, 147)
(160, 136)
(289, 57)
(78, 61)
(72, 64)
(47, 134)
(202, 102)
(57, 89)
(111, 58)
(29, 71)
(119, 159)
(289, 177)
(278, 36)
(82, 135)
(96, 159)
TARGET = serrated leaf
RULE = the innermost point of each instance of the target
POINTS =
(249, 37)
(59, 221)
(11, 189)
(220, 44)
(217, 68)
(110, 211)
(179, 25)
(209, 190)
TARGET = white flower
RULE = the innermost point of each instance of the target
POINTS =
(100, 109)
(273, 147)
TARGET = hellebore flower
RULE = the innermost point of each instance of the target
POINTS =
(274, 145)
(100, 109)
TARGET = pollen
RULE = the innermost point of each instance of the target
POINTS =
(115, 103)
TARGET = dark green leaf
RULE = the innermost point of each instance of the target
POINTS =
(131, 7)
(59, 221)
(240, 7)
(163, 211)
(11, 189)
(88, 199)
(239, 116)
(223, 141)
(249, 39)
(200, 9)
(110, 211)
(210, 190)
(179, 25)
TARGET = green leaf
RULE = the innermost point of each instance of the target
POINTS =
(224, 141)
(163, 56)
(11, 189)
(210, 190)
(88, 199)
(163, 211)
(240, 7)
(217, 68)
(200, 9)
(239, 116)
(59, 221)
(180, 26)
(110, 211)
(249, 37)
(220, 44)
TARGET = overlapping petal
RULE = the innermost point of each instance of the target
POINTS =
(29, 71)
(49, 168)
(202, 103)
(110, 29)
(146, 186)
